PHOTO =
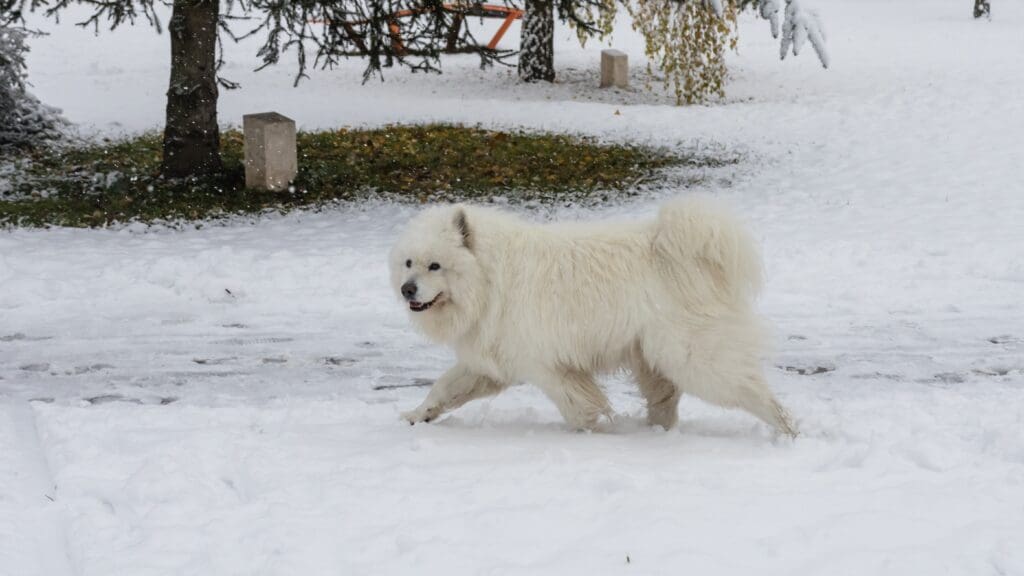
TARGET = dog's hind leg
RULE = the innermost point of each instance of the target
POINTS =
(661, 394)
(721, 364)
(578, 397)
(453, 389)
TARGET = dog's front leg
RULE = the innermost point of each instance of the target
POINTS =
(453, 389)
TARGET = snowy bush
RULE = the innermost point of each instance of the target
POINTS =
(24, 120)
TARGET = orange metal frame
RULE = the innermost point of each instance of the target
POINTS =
(509, 15)
(493, 11)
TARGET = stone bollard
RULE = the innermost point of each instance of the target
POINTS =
(614, 69)
(271, 159)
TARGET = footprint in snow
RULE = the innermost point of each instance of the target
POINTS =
(253, 341)
(20, 336)
(213, 361)
(808, 370)
(416, 383)
(78, 370)
(995, 371)
(947, 378)
(340, 361)
(108, 398)
(876, 376)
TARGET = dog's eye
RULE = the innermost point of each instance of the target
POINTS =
(434, 266)
(408, 263)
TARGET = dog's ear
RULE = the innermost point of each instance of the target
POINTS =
(463, 227)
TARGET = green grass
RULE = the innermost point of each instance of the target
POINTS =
(118, 181)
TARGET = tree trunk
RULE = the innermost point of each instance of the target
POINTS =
(537, 42)
(191, 136)
(982, 9)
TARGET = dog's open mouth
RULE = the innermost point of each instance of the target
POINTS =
(421, 306)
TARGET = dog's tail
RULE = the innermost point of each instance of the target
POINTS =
(707, 252)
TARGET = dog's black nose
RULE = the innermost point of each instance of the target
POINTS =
(409, 290)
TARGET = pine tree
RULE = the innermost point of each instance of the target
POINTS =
(537, 42)
(319, 32)
(590, 18)
(24, 120)
(191, 132)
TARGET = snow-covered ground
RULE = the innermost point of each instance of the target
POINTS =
(225, 400)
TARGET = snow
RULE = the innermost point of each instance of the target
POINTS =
(225, 400)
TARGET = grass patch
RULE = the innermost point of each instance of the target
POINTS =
(119, 181)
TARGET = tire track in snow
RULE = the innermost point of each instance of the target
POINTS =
(37, 520)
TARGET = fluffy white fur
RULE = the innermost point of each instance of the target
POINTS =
(671, 300)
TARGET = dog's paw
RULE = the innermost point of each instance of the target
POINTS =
(418, 415)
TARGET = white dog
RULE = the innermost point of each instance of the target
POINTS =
(669, 299)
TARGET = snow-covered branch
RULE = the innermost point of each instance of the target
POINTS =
(800, 24)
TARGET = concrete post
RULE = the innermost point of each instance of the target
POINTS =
(271, 158)
(614, 69)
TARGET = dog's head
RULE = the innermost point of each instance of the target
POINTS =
(435, 271)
